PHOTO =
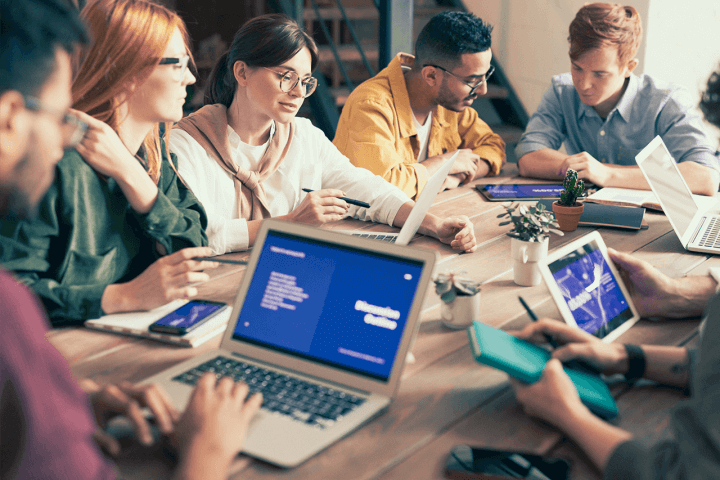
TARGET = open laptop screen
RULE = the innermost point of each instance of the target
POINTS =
(669, 187)
(333, 304)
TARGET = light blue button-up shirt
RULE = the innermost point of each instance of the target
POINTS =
(645, 110)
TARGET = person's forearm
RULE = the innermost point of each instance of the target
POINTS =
(597, 438)
(544, 163)
(432, 164)
(483, 169)
(429, 225)
(701, 179)
(690, 296)
(667, 365)
(139, 189)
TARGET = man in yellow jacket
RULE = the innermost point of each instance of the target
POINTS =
(406, 121)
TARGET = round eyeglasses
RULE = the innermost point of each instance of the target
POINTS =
(472, 86)
(73, 129)
(289, 80)
(180, 65)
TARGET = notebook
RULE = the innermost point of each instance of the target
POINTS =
(422, 205)
(696, 227)
(136, 324)
(526, 361)
(321, 325)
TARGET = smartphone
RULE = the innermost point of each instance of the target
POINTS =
(471, 463)
(188, 317)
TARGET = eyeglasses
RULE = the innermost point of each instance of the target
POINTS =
(180, 65)
(474, 87)
(73, 129)
(290, 79)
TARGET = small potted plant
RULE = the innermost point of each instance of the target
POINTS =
(529, 240)
(460, 299)
(568, 210)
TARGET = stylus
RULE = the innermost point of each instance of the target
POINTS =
(574, 364)
(351, 201)
(222, 260)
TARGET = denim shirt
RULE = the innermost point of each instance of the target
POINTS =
(646, 109)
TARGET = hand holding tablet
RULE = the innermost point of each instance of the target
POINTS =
(588, 289)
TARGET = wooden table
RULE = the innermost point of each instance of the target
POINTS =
(445, 397)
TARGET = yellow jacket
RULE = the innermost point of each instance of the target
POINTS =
(376, 131)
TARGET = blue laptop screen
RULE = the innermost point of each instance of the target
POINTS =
(590, 290)
(329, 303)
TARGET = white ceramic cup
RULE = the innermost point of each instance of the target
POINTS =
(461, 312)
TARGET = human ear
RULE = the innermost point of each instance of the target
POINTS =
(429, 74)
(14, 127)
(240, 73)
(631, 66)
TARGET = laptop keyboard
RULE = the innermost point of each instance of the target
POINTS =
(710, 237)
(300, 400)
(377, 236)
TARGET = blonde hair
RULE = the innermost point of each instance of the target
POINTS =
(129, 38)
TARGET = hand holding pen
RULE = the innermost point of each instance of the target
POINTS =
(581, 365)
(351, 201)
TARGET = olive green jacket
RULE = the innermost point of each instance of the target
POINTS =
(86, 236)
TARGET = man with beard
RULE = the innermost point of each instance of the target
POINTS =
(406, 121)
(46, 420)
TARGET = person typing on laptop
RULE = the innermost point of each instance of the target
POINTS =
(692, 451)
(247, 157)
(604, 114)
(46, 421)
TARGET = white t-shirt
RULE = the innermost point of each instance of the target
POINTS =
(312, 161)
(423, 133)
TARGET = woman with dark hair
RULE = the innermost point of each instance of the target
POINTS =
(246, 156)
(114, 230)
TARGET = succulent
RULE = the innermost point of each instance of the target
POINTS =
(574, 189)
(531, 224)
(450, 285)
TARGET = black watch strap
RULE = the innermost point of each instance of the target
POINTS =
(636, 362)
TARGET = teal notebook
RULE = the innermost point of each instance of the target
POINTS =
(526, 362)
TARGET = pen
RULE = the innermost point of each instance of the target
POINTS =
(574, 364)
(222, 260)
(351, 201)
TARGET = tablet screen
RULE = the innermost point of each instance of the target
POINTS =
(590, 290)
(511, 192)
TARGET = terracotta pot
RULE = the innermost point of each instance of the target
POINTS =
(526, 256)
(568, 217)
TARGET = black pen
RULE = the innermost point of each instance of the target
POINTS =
(221, 260)
(574, 364)
(351, 201)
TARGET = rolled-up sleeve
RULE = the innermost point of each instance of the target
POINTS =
(546, 128)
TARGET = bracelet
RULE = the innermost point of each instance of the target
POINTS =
(636, 362)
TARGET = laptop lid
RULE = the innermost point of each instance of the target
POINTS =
(334, 306)
(424, 201)
(669, 186)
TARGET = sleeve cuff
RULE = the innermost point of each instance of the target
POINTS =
(155, 222)
(706, 159)
(625, 462)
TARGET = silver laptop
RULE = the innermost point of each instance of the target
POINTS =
(697, 229)
(422, 205)
(321, 325)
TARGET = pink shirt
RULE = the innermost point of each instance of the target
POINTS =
(46, 426)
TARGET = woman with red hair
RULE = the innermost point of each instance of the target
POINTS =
(117, 230)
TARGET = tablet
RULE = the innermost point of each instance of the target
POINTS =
(512, 191)
(587, 288)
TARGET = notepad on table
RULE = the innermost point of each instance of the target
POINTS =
(137, 324)
(526, 361)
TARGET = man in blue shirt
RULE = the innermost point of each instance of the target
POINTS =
(605, 115)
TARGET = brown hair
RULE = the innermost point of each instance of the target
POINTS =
(129, 38)
(600, 24)
(264, 41)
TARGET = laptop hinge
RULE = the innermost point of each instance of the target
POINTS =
(303, 374)
(697, 230)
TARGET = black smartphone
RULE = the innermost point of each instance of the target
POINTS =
(188, 317)
(471, 463)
